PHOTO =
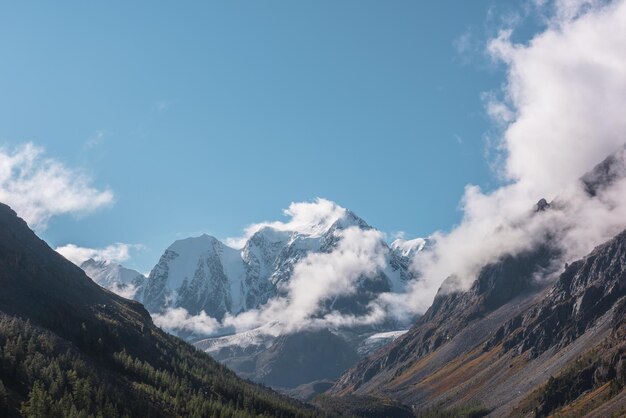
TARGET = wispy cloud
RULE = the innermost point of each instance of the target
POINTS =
(306, 217)
(316, 279)
(95, 139)
(559, 113)
(467, 47)
(117, 252)
(160, 106)
(38, 187)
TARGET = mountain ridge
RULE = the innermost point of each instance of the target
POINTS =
(69, 347)
(204, 274)
(514, 345)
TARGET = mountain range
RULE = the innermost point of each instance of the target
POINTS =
(510, 345)
(70, 348)
(513, 345)
(204, 274)
(533, 351)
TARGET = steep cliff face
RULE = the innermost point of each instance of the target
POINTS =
(199, 274)
(451, 313)
(512, 348)
(586, 291)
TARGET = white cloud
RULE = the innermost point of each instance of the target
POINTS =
(561, 112)
(320, 277)
(559, 12)
(309, 218)
(127, 291)
(38, 188)
(116, 253)
(179, 319)
(567, 88)
(316, 279)
(465, 47)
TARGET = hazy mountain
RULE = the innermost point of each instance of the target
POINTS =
(114, 276)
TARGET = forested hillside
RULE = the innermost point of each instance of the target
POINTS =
(69, 348)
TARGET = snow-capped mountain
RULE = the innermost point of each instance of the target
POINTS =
(408, 248)
(204, 274)
(113, 276)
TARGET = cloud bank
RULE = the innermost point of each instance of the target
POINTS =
(317, 278)
(38, 187)
(561, 112)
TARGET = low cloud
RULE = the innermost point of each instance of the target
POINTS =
(316, 279)
(38, 187)
(179, 319)
(128, 291)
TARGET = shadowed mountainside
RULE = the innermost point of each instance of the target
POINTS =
(70, 348)
(513, 345)
(516, 356)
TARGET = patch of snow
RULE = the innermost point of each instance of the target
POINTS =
(408, 248)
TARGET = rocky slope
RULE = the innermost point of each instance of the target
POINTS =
(513, 345)
(287, 361)
(500, 343)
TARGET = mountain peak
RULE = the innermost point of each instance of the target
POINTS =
(349, 219)
(315, 227)
(408, 247)
(200, 243)
(603, 175)
(270, 234)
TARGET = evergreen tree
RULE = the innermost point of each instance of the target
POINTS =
(39, 404)
(3, 399)
(60, 381)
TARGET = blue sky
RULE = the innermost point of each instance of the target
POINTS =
(209, 116)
